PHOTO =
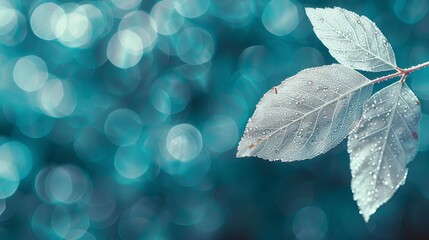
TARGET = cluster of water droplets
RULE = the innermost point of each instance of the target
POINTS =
(293, 121)
(381, 146)
(353, 40)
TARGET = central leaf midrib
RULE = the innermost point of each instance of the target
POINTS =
(383, 148)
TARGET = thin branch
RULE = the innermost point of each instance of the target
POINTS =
(401, 72)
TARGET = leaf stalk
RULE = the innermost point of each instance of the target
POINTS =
(401, 72)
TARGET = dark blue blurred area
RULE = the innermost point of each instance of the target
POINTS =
(119, 119)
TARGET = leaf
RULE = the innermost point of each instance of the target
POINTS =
(306, 115)
(353, 40)
(380, 148)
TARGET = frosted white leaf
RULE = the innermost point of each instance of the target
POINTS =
(382, 145)
(353, 40)
(306, 115)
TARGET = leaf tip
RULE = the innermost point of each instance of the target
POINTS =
(242, 151)
(366, 216)
(366, 213)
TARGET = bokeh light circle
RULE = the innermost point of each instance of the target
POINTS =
(8, 18)
(13, 25)
(51, 95)
(310, 223)
(259, 58)
(48, 21)
(77, 26)
(126, 4)
(132, 161)
(64, 184)
(30, 73)
(60, 222)
(195, 46)
(165, 19)
(236, 13)
(9, 178)
(220, 133)
(280, 17)
(69, 223)
(139, 22)
(123, 127)
(410, 11)
(18, 155)
(184, 142)
(125, 49)
(170, 94)
(192, 8)
(57, 98)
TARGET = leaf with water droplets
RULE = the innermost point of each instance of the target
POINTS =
(353, 40)
(306, 115)
(382, 145)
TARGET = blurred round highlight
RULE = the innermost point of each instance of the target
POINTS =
(13, 25)
(126, 4)
(125, 49)
(165, 19)
(123, 127)
(57, 98)
(60, 222)
(65, 184)
(250, 85)
(8, 17)
(77, 26)
(48, 21)
(220, 133)
(18, 155)
(30, 73)
(184, 142)
(280, 17)
(195, 46)
(310, 223)
(170, 94)
(139, 23)
(259, 58)
(132, 161)
(410, 11)
(236, 13)
(192, 8)
(9, 178)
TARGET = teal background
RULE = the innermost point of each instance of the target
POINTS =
(148, 152)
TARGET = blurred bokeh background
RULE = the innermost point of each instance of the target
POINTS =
(119, 119)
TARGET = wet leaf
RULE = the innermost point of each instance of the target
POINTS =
(306, 115)
(380, 148)
(353, 40)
